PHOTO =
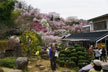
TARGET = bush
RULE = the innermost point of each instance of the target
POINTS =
(82, 58)
(66, 52)
(62, 55)
(70, 64)
(62, 51)
(71, 48)
(81, 65)
(8, 62)
(83, 61)
(66, 59)
(73, 54)
(62, 63)
(3, 44)
(58, 60)
(62, 58)
(73, 58)
(80, 53)
(79, 49)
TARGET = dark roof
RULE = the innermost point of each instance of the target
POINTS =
(91, 36)
(105, 15)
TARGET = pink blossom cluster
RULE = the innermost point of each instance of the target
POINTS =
(38, 27)
(51, 37)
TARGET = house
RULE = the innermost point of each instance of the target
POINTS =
(95, 33)
(96, 24)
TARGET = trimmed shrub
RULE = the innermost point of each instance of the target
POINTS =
(83, 61)
(73, 54)
(81, 65)
(66, 58)
(62, 63)
(3, 44)
(66, 52)
(62, 55)
(8, 62)
(80, 53)
(71, 48)
(73, 58)
(57, 60)
(70, 64)
(62, 58)
(62, 51)
(79, 49)
(82, 58)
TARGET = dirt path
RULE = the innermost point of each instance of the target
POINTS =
(45, 63)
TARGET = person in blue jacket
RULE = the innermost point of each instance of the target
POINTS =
(52, 57)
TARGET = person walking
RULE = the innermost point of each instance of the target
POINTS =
(96, 53)
(52, 57)
(90, 50)
(104, 55)
(100, 51)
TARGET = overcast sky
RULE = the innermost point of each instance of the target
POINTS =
(85, 9)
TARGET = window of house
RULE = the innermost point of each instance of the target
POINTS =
(100, 25)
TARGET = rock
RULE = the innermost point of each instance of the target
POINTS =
(42, 67)
(21, 62)
(49, 69)
(29, 67)
(46, 70)
(38, 65)
(29, 62)
(33, 59)
(45, 56)
(36, 71)
(15, 71)
(58, 71)
(66, 71)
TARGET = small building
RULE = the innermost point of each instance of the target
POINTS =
(99, 23)
(95, 33)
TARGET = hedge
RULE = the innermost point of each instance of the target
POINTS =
(62, 63)
(8, 62)
(62, 55)
(70, 64)
(75, 56)
(81, 58)
(3, 43)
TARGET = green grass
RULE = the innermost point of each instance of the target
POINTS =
(8, 62)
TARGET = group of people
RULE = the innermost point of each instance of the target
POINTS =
(98, 53)
(94, 66)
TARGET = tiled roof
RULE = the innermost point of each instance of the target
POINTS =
(90, 36)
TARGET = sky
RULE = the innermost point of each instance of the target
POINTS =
(83, 9)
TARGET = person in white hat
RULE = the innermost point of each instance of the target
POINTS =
(97, 66)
